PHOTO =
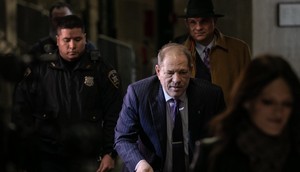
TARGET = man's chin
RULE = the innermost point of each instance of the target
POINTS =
(199, 38)
(73, 58)
(176, 94)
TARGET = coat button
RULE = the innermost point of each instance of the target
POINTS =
(94, 117)
(44, 115)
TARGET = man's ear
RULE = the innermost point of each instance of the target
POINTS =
(157, 69)
(57, 39)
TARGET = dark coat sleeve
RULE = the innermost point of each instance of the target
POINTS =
(127, 131)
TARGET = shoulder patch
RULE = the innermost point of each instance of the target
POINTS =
(114, 79)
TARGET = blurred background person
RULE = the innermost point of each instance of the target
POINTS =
(217, 57)
(259, 131)
(12, 66)
(48, 43)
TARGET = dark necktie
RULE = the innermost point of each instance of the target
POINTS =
(177, 144)
(206, 57)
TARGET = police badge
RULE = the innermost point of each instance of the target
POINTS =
(89, 81)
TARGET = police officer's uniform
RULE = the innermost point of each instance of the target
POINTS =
(67, 112)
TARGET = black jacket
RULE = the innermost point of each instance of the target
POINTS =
(62, 110)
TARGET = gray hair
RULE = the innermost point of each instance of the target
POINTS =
(177, 49)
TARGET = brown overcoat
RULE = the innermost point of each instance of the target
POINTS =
(228, 58)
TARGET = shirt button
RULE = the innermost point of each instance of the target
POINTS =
(44, 115)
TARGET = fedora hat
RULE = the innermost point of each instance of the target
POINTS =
(200, 8)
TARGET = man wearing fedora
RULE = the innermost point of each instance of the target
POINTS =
(216, 57)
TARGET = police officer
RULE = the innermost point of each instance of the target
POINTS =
(48, 44)
(66, 109)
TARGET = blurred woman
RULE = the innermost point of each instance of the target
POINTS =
(259, 131)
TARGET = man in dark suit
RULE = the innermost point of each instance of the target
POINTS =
(144, 135)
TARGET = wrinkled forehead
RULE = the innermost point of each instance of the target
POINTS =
(175, 59)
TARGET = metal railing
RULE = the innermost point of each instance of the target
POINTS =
(121, 55)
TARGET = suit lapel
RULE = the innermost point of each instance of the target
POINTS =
(158, 111)
(196, 108)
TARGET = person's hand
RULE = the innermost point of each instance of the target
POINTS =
(144, 166)
(107, 163)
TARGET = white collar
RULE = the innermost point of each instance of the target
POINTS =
(201, 47)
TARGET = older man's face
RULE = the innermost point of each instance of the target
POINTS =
(174, 74)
